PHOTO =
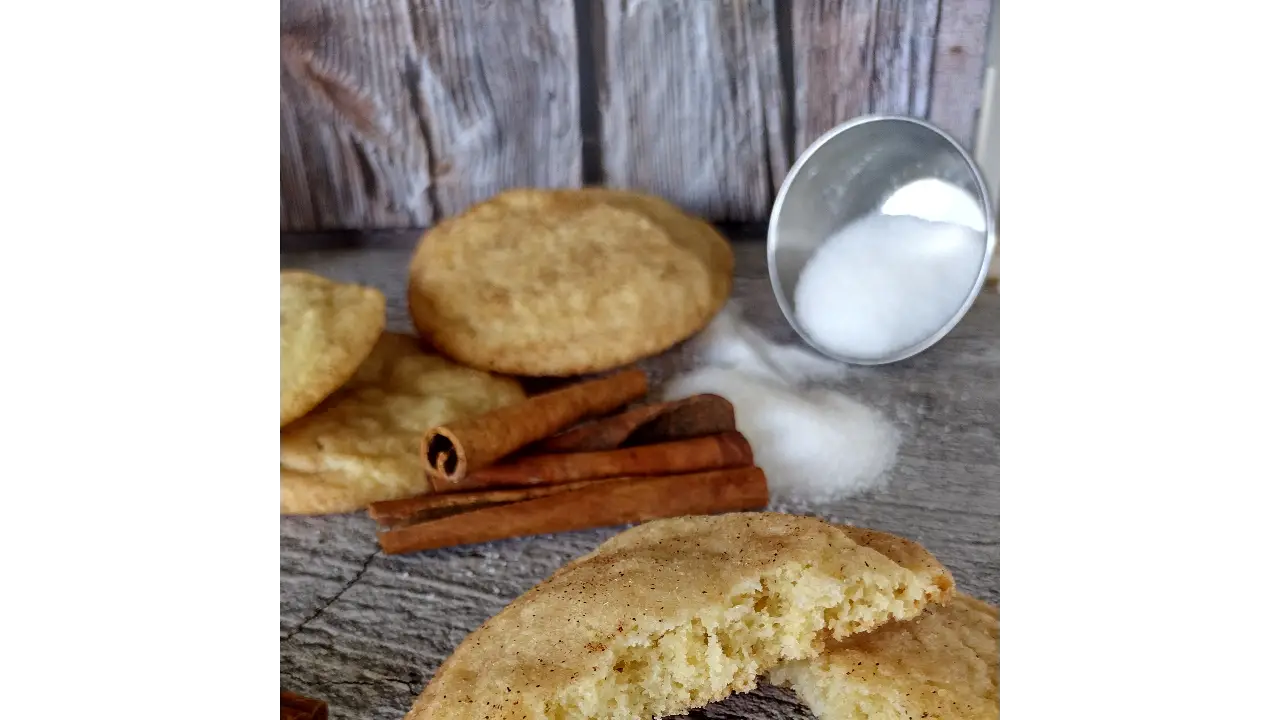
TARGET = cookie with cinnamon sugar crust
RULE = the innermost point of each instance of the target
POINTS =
(327, 329)
(566, 282)
(943, 664)
(361, 445)
(675, 614)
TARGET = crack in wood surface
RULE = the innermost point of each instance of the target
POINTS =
(359, 683)
(422, 124)
(911, 57)
(364, 567)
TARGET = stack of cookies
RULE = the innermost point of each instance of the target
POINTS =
(355, 399)
(533, 283)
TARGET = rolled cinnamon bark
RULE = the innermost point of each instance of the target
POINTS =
(297, 707)
(396, 513)
(712, 452)
(601, 503)
(658, 422)
(451, 451)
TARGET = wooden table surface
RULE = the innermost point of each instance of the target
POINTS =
(365, 631)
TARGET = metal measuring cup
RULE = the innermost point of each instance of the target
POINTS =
(849, 172)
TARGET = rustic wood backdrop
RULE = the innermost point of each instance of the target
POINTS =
(396, 113)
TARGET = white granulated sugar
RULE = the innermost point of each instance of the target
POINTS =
(814, 442)
(730, 341)
(936, 200)
(886, 282)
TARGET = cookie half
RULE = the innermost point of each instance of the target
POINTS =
(943, 664)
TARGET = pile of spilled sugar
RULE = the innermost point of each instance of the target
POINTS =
(729, 341)
(814, 443)
(891, 279)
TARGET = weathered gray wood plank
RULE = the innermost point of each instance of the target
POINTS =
(691, 99)
(905, 35)
(832, 43)
(498, 85)
(307, 587)
(898, 57)
(348, 152)
(365, 631)
(959, 65)
(396, 113)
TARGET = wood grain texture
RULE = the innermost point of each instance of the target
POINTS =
(896, 57)
(959, 67)
(691, 100)
(906, 31)
(833, 43)
(364, 631)
(396, 113)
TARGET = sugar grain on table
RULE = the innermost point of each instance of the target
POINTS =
(814, 443)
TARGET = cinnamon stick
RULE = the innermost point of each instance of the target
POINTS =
(657, 422)
(451, 451)
(712, 452)
(297, 707)
(601, 503)
(396, 513)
